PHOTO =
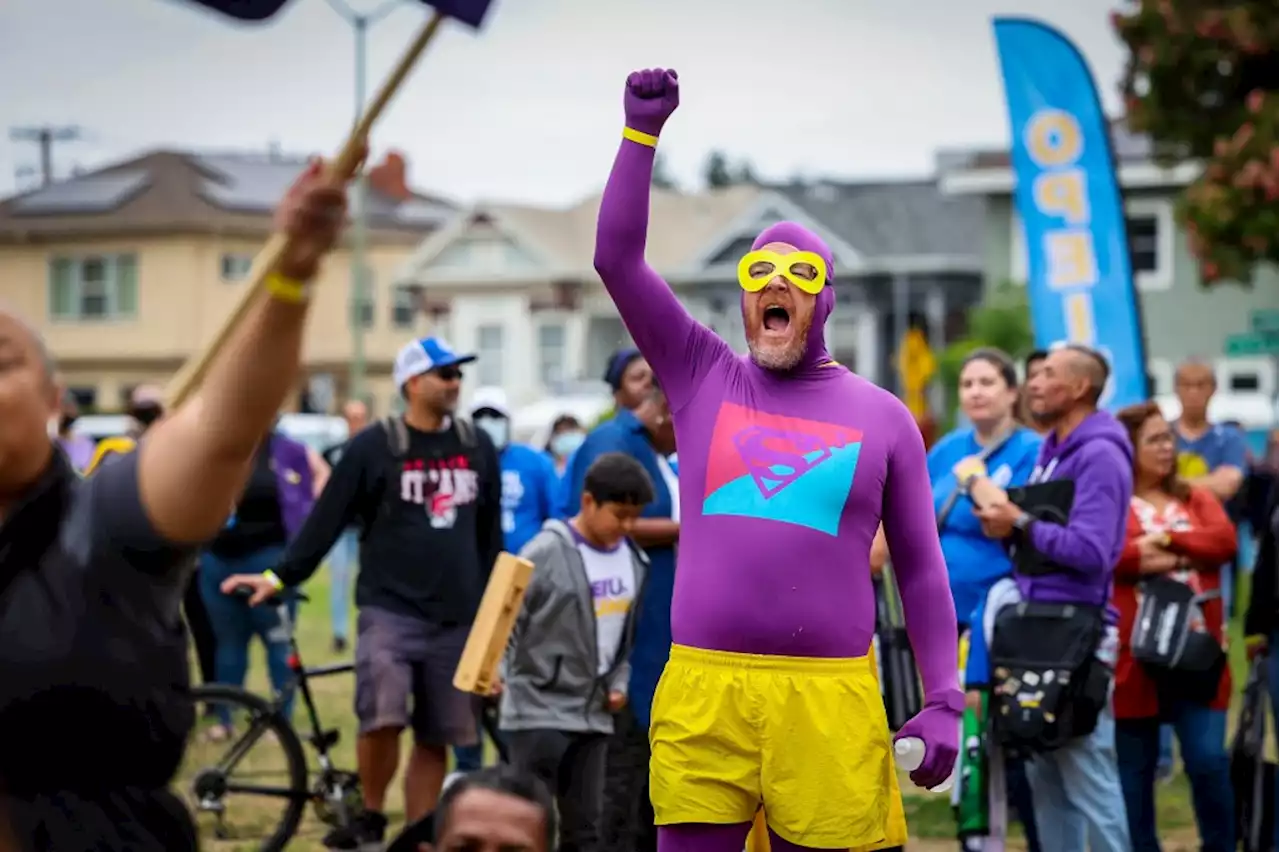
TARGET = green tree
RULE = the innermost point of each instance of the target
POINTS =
(1201, 81)
(716, 172)
(662, 177)
(1002, 320)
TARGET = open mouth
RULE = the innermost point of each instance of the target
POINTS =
(776, 318)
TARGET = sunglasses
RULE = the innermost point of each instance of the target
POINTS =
(448, 374)
(805, 269)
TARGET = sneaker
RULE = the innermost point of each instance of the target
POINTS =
(366, 830)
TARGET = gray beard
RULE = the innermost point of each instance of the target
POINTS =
(776, 359)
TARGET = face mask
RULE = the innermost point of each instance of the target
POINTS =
(146, 414)
(565, 443)
(52, 427)
(497, 428)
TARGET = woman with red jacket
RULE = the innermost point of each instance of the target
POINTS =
(1181, 534)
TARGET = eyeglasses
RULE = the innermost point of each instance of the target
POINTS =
(448, 374)
(805, 269)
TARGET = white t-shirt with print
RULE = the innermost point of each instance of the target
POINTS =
(612, 578)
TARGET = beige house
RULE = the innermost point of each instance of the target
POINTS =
(130, 270)
(516, 285)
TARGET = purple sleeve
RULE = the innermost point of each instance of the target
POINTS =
(1094, 533)
(677, 347)
(912, 535)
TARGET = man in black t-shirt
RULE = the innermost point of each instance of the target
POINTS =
(426, 492)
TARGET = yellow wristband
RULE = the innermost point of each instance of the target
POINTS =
(286, 289)
(275, 581)
(641, 138)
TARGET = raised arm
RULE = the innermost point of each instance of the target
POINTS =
(677, 346)
(193, 466)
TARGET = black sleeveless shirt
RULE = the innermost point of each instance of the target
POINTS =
(93, 668)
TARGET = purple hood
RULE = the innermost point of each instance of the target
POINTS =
(1098, 457)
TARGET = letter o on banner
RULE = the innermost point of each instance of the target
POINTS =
(1053, 138)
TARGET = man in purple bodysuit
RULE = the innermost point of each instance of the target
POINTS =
(788, 462)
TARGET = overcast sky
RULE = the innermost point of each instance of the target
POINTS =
(530, 108)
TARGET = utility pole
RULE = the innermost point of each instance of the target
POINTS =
(45, 136)
(359, 268)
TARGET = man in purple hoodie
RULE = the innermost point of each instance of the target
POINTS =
(1077, 787)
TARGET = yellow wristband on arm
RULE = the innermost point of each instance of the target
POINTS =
(286, 289)
(640, 138)
(275, 581)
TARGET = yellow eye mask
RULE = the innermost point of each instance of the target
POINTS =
(805, 269)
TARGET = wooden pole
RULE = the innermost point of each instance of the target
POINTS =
(344, 165)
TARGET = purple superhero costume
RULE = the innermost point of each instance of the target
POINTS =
(784, 478)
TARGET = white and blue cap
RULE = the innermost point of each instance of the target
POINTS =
(423, 356)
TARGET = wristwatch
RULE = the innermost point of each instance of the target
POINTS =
(1021, 522)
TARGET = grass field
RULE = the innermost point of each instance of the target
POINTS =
(929, 815)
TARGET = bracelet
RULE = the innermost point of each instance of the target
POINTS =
(640, 137)
(275, 581)
(286, 289)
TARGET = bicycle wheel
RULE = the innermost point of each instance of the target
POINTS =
(248, 775)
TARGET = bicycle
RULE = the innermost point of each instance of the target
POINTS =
(335, 794)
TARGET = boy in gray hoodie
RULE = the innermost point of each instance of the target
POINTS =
(566, 670)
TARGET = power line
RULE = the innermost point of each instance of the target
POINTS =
(46, 137)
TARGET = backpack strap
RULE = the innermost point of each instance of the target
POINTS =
(466, 432)
(397, 435)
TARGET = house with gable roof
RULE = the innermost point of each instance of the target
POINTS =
(517, 286)
(130, 269)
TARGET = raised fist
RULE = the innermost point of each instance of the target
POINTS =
(651, 97)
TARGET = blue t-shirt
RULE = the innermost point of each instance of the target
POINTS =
(974, 561)
(1221, 445)
(529, 490)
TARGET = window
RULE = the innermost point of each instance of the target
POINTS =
(551, 354)
(489, 355)
(1144, 232)
(236, 266)
(1245, 383)
(1149, 226)
(92, 288)
(404, 306)
(86, 398)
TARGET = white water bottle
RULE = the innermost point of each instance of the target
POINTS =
(909, 753)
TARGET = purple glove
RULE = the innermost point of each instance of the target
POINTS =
(650, 99)
(938, 727)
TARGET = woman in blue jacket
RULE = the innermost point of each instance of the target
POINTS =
(988, 395)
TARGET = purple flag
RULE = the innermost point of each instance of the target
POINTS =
(470, 12)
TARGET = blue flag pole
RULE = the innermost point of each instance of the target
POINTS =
(1080, 282)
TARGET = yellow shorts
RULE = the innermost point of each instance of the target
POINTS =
(805, 737)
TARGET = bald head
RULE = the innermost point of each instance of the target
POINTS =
(24, 335)
(29, 403)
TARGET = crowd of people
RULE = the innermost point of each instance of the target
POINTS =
(1150, 526)
(735, 700)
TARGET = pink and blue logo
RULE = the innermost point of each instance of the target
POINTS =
(783, 469)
